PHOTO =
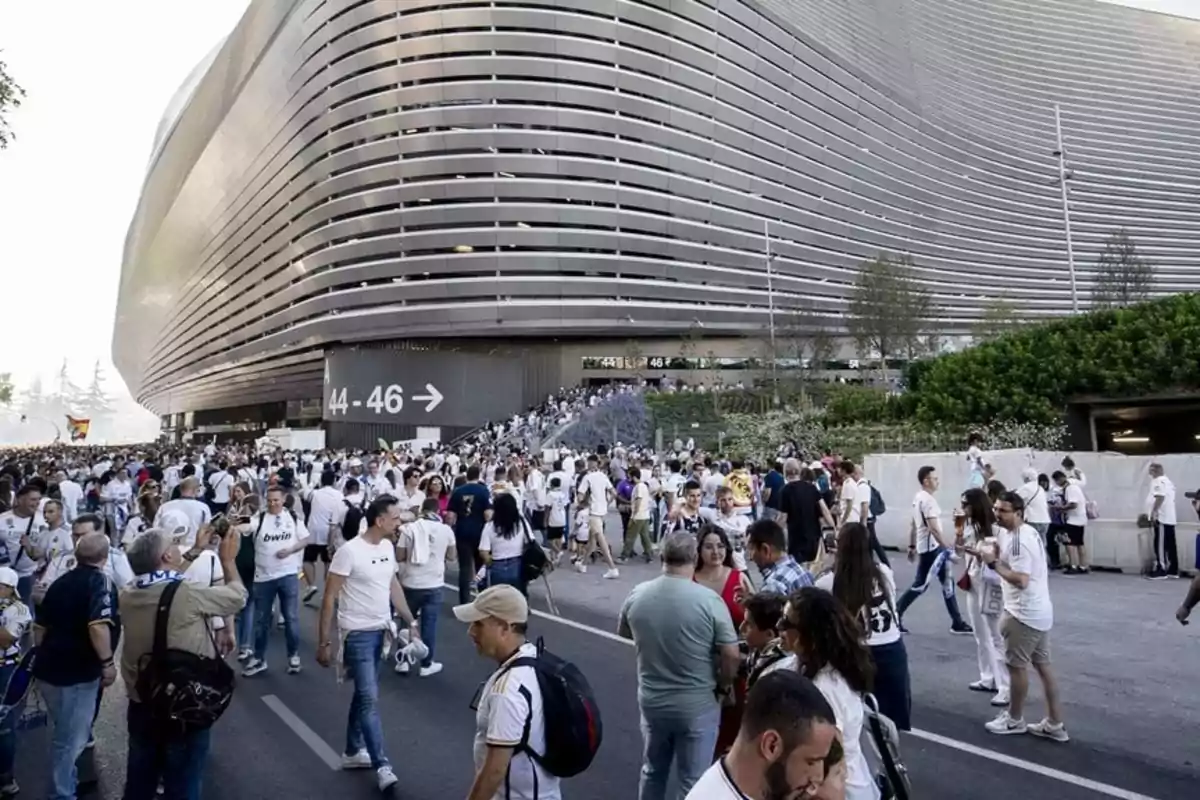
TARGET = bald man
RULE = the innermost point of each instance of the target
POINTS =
(75, 632)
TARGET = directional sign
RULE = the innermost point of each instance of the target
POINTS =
(421, 387)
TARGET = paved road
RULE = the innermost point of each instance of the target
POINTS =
(1128, 671)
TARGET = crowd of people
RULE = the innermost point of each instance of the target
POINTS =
(750, 679)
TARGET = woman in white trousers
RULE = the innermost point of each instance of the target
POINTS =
(984, 597)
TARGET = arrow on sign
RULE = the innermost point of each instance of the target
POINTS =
(434, 397)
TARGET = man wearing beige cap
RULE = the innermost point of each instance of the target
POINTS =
(508, 701)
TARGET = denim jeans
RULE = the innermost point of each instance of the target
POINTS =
(935, 563)
(468, 564)
(506, 570)
(687, 742)
(71, 709)
(425, 605)
(177, 761)
(287, 589)
(8, 729)
(244, 623)
(360, 657)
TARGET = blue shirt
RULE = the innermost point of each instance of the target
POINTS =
(468, 502)
(785, 576)
(80, 599)
(774, 481)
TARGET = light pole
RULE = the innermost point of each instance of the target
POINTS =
(771, 307)
(1064, 175)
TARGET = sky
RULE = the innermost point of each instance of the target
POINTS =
(99, 74)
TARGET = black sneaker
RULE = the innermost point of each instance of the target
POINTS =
(903, 629)
(1157, 574)
(962, 629)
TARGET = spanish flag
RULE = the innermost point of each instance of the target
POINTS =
(77, 428)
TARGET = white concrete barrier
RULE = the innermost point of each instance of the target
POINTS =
(1118, 484)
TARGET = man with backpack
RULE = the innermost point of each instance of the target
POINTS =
(536, 719)
(158, 751)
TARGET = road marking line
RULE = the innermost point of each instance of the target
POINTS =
(992, 755)
(1030, 766)
(306, 734)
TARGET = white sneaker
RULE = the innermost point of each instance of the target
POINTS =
(1048, 730)
(360, 760)
(432, 669)
(1001, 699)
(245, 654)
(254, 667)
(580, 567)
(1004, 725)
(293, 665)
(386, 777)
(613, 573)
(309, 594)
(403, 667)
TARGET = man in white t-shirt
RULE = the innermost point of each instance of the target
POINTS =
(1037, 504)
(1160, 507)
(186, 511)
(639, 517)
(362, 582)
(787, 732)
(933, 551)
(509, 701)
(221, 483)
(425, 547)
(1074, 508)
(71, 494)
(326, 510)
(596, 493)
(535, 496)
(279, 541)
(1028, 618)
(849, 510)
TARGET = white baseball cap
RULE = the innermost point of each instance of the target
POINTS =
(8, 577)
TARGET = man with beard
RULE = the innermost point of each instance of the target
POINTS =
(787, 746)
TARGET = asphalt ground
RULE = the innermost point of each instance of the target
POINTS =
(1127, 669)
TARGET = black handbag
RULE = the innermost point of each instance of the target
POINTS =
(184, 692)
(534, 561)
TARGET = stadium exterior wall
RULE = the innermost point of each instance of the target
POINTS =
(599, 170)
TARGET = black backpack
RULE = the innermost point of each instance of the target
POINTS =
(352, 521)
(571, 716)
(876, 506)
(184, 692)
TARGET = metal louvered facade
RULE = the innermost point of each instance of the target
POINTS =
(605, 169)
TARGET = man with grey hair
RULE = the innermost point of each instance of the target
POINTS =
(1160, 508)
(676, 626)
(157, 563)
(75, 631)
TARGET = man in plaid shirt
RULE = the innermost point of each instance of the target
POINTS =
(767, 544)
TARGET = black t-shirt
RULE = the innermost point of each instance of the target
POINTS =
(801, 501)
(73, 604)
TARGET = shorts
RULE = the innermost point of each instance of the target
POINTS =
(595, 526)
(316, 552)
(556, 532)
(537, 519)
(1023, 645)
(1074, 535)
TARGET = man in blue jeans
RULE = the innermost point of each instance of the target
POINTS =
(426, 546)
(933, 552)
(677, 626)
(74, 635)
(362, 582)
(279, 541)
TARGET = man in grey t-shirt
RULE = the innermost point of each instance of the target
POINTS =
(686, 653)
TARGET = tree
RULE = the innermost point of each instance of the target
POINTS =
(890, 311)
(95, 402)
(1123, 277)
(635, 359)
(67, 395)
(999, 317)
(689, 346)
(6, 388)
(805, 338)
(11, 95)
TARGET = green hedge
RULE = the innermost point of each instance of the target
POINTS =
(1031, 375)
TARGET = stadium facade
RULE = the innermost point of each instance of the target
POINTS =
(540, 182)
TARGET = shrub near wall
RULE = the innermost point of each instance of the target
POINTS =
(1029, 376)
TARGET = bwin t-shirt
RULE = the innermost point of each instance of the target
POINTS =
(277, 532)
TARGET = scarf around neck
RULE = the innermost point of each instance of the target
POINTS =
(158, 576)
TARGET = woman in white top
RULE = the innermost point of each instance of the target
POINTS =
(985, 600)
(868, 591)
(828, 644)
(503, 542)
